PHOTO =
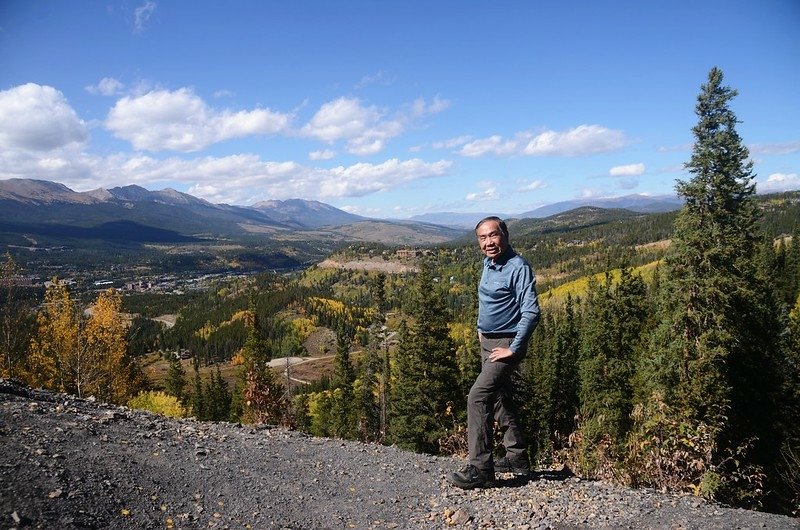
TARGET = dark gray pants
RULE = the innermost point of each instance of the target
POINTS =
(492, 397)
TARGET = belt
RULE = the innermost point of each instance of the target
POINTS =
(505, 335)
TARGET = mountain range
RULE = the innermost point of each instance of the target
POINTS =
(133, 213)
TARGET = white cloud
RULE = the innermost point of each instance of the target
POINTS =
(452, 143)
(38, 118)
(363, 179)
(582, 140)
(181, 121)
(422, 108)
(326, 154)
(142, 14)
(379, 78)
(780, 182)
(343, 118)
(488, 194)
(236, 179)
(364, 129)
(775, 149)
(224, 93)
(590, 193)
(494, 145)
(630, 170)
(108, 86)
(535, 185)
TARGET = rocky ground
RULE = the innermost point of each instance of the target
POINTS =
(73, 463)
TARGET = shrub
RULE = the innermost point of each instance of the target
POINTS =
(158, 402)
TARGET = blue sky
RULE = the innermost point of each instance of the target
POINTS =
(390, 109)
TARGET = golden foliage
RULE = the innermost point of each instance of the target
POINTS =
(78, 354)
(159, 403)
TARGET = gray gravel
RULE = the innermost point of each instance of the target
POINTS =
(73, 463)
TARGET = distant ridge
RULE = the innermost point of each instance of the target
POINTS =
(634, 203)
(312, 214)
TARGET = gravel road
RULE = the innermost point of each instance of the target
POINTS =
(73, 463)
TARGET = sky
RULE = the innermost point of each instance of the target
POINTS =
(390, 109)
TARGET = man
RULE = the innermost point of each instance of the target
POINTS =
(508, 312)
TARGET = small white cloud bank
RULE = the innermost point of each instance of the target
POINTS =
(778, 182)
(489, 194)
(108, 86)
(325, 154)
(535, 185)
(629, 170)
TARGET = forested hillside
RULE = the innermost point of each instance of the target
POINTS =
(668, 354)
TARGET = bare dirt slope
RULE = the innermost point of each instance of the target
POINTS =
(69, 463)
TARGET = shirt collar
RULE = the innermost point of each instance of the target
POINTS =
(501, 260)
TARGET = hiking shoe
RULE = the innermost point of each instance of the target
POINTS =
(470, 477)
(517, 467)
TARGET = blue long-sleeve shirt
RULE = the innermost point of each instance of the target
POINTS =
(507, 298)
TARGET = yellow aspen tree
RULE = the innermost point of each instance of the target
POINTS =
(105, 350)
(57, 338)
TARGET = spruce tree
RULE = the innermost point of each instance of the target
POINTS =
(176, 378)
(16, 320)
(713, 355)
(343, 410)
(610, 345)
(426, 394)
(199, 404)
(218, 398)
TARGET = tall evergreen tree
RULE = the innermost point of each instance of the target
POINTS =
(16, 321)
(218, 398)
(552, 381)
(426, 394)
(610, 345)
(176, 378)
(713, 356)
(199, 403)
(343, 410)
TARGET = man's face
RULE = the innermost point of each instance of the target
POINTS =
(491, 239)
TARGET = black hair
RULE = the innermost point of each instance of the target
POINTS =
(500, 223)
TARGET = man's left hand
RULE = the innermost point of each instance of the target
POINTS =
(499, 354)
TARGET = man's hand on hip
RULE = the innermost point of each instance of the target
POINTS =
(499, 354)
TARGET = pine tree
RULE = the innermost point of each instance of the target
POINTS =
(713, 357)
(176, 378)
(16, 324)
(610, 345)
(425, 390)
(218, 399)
(199, 401)
(343, 411)
(261, 395)
(552, 381)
